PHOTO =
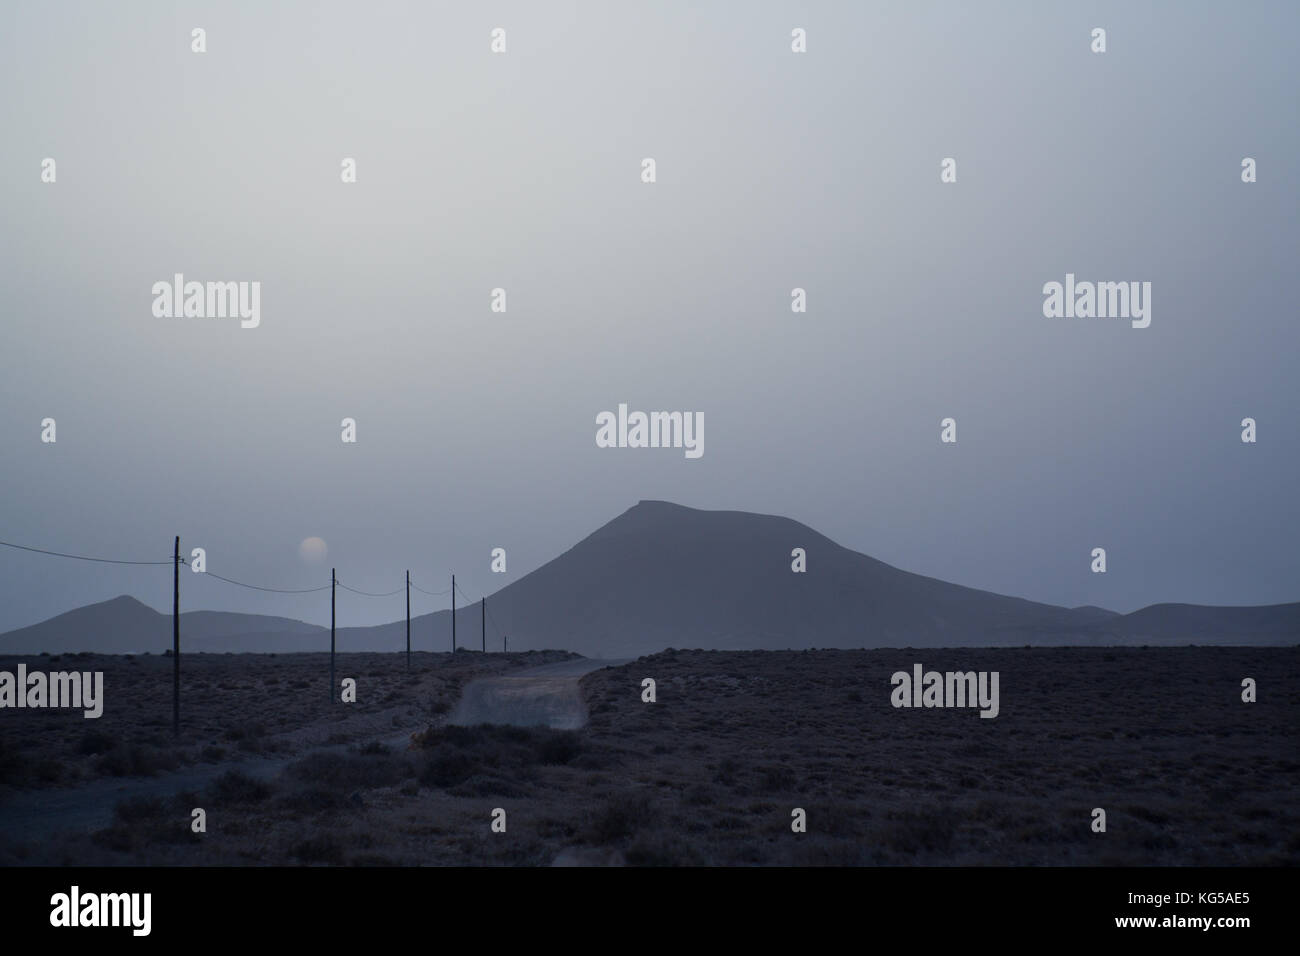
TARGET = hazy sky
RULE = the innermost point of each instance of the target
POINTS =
(775, 170)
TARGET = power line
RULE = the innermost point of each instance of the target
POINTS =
(80, 557)
(370, 593)
(255, 587)
(176, 561)
(213, 574)
(491, 616)
(430, 593)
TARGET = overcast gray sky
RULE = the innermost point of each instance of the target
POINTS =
(775, 170)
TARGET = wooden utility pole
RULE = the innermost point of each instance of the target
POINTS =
(408, 622)
(176, 638)
(482, 612)
(333, 581)
(453, 614)
(505, 643)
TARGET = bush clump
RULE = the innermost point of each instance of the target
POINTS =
(235, 787)
(455, 754)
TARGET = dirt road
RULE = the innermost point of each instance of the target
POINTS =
(545, 696)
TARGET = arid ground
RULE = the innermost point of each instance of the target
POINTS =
(709, 773)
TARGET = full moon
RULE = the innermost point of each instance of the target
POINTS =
(313, 550)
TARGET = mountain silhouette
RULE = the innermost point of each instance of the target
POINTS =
(123, 625)
(663, 575)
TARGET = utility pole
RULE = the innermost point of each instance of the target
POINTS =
(176, 638)
(333, 581)
(482, 611)
(408, 622)
(453, 614)
(505, 643)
